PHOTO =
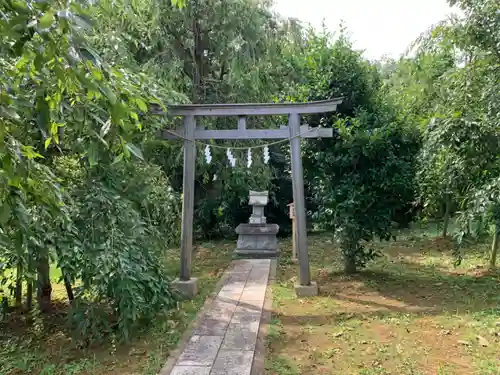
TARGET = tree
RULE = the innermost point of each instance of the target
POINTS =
(70, 123)
(363, 180)
(459, 157)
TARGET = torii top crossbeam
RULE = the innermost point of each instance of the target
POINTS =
(294, 131)
(252, 109)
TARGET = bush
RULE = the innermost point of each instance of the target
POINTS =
(124, 217)
(362, 180)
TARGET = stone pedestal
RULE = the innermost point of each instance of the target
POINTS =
(187, 289)
(258, 200)
(257, 241)
(306, 290)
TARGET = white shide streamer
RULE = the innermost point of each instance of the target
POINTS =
(249, 158)
(266, 155)
(208, 155)
(231, 158)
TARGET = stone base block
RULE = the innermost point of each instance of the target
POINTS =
(187, 288)
(306, 290)
(256, 253)
(257, 241)
(258, 229)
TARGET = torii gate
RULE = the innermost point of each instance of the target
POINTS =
(186, 284)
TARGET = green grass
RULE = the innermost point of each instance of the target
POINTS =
(51, 351)
(410, 312)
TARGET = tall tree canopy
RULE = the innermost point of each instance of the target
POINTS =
(87, 188)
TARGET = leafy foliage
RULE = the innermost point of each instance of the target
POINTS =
(364, 179)
(59, 97)
(85, 186)
(459, 158)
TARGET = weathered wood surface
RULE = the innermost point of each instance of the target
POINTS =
(190, 132)
(243, 133)
(242, 123)
(250, 109)
(299, 200)
(188, 198)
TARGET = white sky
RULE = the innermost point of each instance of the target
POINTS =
(380, 27)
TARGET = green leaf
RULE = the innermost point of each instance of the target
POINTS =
(46, 20)
(105, 128)
(81, 22)
(4, 213)
(47, 142)
(30, 153)
(93, 154)
(9, 112)
(141, 104)
(118, 159)
(119, 113)
(23, 61)
(110, 94)
(135, 150)
(179, 3)
(15, 181)
(53, 128)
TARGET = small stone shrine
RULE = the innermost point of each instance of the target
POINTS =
(257, 239)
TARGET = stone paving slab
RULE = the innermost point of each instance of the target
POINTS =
(231, 362)
(240, 340)
(201, 351)
(255, 305)
(245, 314)
(216, 320)
(229, 294)
(241, 336)
(251, 296)
(225, 340)
(191, 370)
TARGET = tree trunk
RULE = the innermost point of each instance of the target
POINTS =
(29, 296)
(350, 264)
(4, 308)
(30, 282)
(479, 228)
(67, 280)
(494, 246)
(19, 285)
(69, 288)
(44, 287)
(197, 54)
(446, 216)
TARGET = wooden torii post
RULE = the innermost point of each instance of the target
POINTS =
(291, 207)
(190, 132)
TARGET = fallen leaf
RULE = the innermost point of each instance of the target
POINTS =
(137, 352)
(338, 334)
(482, 341)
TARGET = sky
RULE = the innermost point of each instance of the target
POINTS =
(380, 27)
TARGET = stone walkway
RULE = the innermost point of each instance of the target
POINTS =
(224, 343)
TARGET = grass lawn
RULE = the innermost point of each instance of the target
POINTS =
(410, 312)
(52, 351)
